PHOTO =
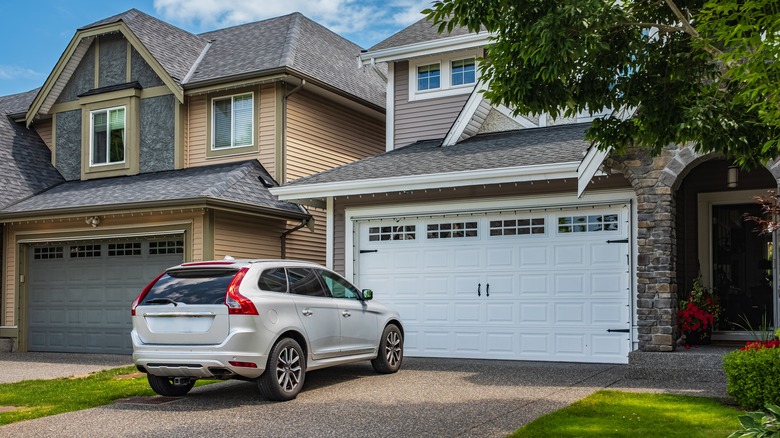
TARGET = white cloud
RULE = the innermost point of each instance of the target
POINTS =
(354, 19)
(13, 72)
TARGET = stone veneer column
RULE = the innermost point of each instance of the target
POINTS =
(655, 180)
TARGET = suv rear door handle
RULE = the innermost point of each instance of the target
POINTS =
(346, 314)
(307, 312)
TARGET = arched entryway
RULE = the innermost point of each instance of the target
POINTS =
(716, 242)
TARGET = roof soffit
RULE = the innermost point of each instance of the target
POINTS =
(73, 55)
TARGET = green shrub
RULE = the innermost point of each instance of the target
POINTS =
(753, 375)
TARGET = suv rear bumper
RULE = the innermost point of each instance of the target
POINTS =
(198, 361)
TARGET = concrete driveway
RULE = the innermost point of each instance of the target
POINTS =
(427, 398)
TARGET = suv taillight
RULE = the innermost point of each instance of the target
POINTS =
(141, 297)
(237, 303)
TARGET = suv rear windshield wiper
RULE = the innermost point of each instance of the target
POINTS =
(161, 301)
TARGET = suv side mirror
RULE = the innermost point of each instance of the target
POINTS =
(367, 294)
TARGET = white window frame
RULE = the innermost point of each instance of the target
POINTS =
(92, 113)
(232, 122)
(445, 65)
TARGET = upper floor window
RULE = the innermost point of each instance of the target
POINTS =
(108, 136)
(428, 77)
(232, 121)
(464, 72)
(443, 75)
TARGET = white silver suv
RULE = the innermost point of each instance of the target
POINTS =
(264, 320)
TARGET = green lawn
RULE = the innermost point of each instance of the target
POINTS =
(626, 414)
(39, 398)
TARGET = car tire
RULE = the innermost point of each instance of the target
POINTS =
(391, 351)
(165, 386)
(285, 373)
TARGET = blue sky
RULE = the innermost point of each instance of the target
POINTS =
(34, 33)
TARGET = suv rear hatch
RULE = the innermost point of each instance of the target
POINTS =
(186, 306)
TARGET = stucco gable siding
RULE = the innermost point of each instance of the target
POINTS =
(158, 123)
(112, 60)
(421, 119)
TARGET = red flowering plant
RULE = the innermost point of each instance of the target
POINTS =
(699, 312)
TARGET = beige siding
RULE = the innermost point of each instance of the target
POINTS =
(110, 224)
(44, 130)
(322, 135)
(306, 245)
(196, 132)
(422, 119)
(247, 237)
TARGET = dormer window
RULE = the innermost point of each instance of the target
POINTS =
(445, 75)
(232, 121)
(464, 72)
(428, 77)
(108, 136)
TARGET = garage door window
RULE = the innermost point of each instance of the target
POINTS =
(453, 230)
(84, 251)
(124, 249)
(517, 227)
(47, 253)
(166, 247)
(588, 224)
(398, 232)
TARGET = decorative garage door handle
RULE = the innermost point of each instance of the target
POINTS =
(617, 330)
(487, 290)
(618, 241)
(479, 290)
(363, 251)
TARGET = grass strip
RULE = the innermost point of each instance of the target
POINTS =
(628, 414)
(40, 398)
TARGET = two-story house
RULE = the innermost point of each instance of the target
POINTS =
(503, 236)
(160, 148)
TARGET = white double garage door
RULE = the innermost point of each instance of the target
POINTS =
(551, 285)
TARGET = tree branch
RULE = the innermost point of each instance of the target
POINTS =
(661, 27)
(690, 30)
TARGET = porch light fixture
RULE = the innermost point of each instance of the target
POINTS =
(93, 220)
(732, 177)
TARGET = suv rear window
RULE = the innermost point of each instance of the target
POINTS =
(203, 286)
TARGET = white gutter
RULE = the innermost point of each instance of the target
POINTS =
(541, 172)
(424, 48)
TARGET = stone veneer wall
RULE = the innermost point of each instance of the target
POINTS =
(656, 180)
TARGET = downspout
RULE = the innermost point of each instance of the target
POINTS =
(284, 235)
(282, 174)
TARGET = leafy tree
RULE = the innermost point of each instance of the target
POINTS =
(673, 71)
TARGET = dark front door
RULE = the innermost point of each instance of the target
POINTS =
(741, 268)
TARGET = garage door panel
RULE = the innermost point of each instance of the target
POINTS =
(534, 313)
(501, 313)
(466, 258)
(534, 256)
(609, 314)
(534, 285)
(435, 285)
(405, 261)
(570, 313)
(467, 313)
(608, 283)
(436, 313)
(436, 259)
(569, 255)
(610, 254)
(569, 284)
(500, 259)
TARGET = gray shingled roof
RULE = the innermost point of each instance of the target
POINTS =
(294, 42)
(175, 49)
(291, 42)
(25, 161)
(232, 182)
(525, 147)
(418, 32)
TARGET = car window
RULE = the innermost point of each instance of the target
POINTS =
(304, 281)
(337, 286)
(274, 280)
(202, 286)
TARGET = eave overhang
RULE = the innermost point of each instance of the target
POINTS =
(136, 207)
(449, 44)
(322, 191)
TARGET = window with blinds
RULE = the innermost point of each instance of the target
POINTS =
(108, 136)
(232, 121)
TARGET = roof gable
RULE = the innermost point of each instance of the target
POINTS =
(168, 50)
(419, 32)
